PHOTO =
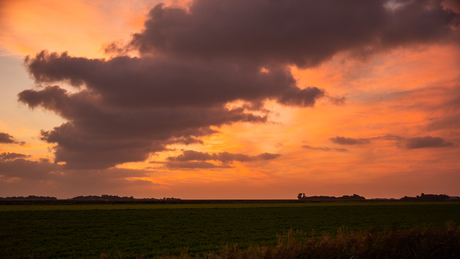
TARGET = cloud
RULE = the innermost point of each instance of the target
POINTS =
(410, 143)
(447, 122)
(132, 107)
(11, 156)
(337, 100)
(22, 168)
(427, 142)
(192, 63)
(388, 137)
(224, 157)
(158, 82)
(449, 112)
(6, 138)
(193, 165)
(304, 33)
(350, 141)
(25, 177)
(325, 148)
(14, 165)
(99, 136)
(190, 159)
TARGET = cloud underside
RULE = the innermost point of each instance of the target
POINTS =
(193, 63)
(193, 159)
(304, 33)
(11, 156)
(325, 148)
(6, 138)
(452, 122)
(427, 142)
(350, 141)
(409, 143)
(15, 169)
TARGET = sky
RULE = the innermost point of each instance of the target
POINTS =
(229, 99)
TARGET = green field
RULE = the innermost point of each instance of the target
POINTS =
(87, 231)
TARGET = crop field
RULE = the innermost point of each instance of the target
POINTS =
(87, 231)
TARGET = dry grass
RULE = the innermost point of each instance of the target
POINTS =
(428, 242)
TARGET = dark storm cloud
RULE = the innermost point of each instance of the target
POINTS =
(100, 136)
(22, 168)
(6, 138)
(224, 157)
(350, 141)
(193, 63)
(54, 177)
(155, 82)
(427, 142)
(132, 107)
(325, 148)
(11, 156)
(304, 33)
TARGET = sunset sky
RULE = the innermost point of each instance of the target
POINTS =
(229, 99)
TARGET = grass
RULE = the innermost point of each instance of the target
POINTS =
(204, 206)
(429, 242)
(159, 230)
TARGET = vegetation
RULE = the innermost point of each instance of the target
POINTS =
(429, 197)
(30, 197)
(103, 197)
(409, 243)
(129, 231)
(354, 197)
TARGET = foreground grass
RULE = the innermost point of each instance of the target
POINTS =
(80, 232)
(417, 242)
(209, 205)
